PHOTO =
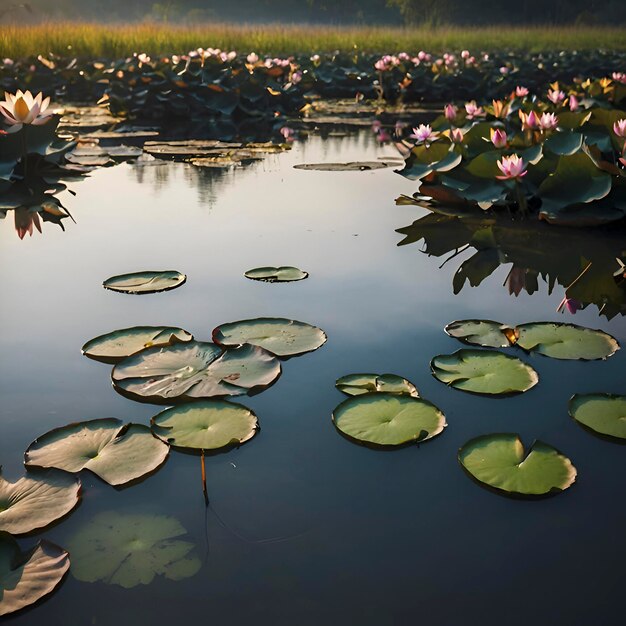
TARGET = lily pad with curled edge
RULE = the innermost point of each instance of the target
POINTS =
(356, 166)
(500, 462)
(484, 372)
(194, 370)
(566, 341)
(37, 500)
(388, 420)
(145, 282)
(280, 336)
(130, 550)
(26, 577)
(119, 344)
(358, 384)
(206, 425)
(484, 333)
(284, 274)
(116, 452)
(602, 413)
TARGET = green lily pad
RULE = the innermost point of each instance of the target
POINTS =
(566, 341)
(499, 461)
(484, 333)
(206, 425)
(284, 274)
(388, 420)
(118, 344)
(358, 384)
(194, 370)
(358, 166)
(280, 336)
(115, 452)
(484, 372)
(37, 500)
(130, 550)
(602, 413)
(145, 282)
(27, 577)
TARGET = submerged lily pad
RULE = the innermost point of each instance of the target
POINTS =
(484, 372)
(499, 461)
(280, 336)
(27, 577)
(206, 425)
(194, 370)
(358, 384)
(283, 274)
(357, 166)
(388, 419)
(145, 282)
(37, 500)
(484, 333)
(115, 452)
(602, 413)
(118, 344)
(566, 341)
(130, 550)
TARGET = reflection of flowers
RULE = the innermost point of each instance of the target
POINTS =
(22, 108)
(25, 220)
(521, 278)
(571, 304)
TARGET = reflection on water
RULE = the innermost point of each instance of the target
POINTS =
(582, 262)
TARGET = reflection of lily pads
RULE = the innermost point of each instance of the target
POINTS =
(207, 425)
(499, 461)
(387, 420)
(280, 336)
(484, 333)
(130, 550)
(145, 282)
(566, 341)
(284, 274)
(116, 452)
(37, 500)
(602, 413)
(118, 344)
(195, 370)
(358, 384)
(358, 166)
(29, 576)
(484, 372)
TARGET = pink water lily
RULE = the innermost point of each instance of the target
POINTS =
(618, 77)
(530, 121)
(424, 133)
(556, 96)
(512, 167)
(573, 103)
(457, 135)
(499, 138)
(22, 108)
(521, 92)
(619, 128)
(252, 58)
(450, 112)
(548, 121)
(473, 110)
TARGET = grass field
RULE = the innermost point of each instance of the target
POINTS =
(94, 40)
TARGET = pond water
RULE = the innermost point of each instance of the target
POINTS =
(305, 527)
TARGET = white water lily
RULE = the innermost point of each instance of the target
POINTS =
(24, 108)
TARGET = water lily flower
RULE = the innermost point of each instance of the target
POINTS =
(143, 59)
(465, 54)
(25, 220)
(296, 77)
(287, 133)
(315, 58)
(22, 108)
(252, 58)
(473, 110)
(530, 121)
(512, 167)
(556, 96)
(380, 65)
(457, 135)
(499, 138)
(450, 112)
(618, 77)
(403, 56)
(504, 70)
(500, 109)
(619, 128)
(521, 92)
(573, 103)
(548, 121)
(424, 133)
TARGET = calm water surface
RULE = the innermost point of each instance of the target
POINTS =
(305, 527)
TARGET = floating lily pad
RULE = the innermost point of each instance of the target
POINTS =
(115, 452)
(195, 370)
(499, 461)
(602, 413)
(566, 341)
(358, 384)
(119, 344)
(388, 420)
(27, 577)
(130, 550)
(37, 500)
(484, 333)
(357, 166)
(283, 274)
(484, 372)
(280, 336)
(206, 425)
(145, 282)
